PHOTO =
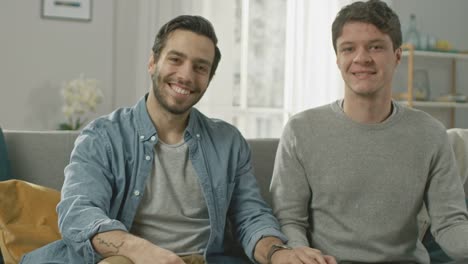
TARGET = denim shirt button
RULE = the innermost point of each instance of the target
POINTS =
(142, 137)
(198, 135)
(153, 138)
(148, 158)
(136, 193)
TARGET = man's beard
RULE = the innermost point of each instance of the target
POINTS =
(157, 79)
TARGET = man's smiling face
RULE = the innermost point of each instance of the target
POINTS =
(181, 73)
(366, 58)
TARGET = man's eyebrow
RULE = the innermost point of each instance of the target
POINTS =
(203, 61)
(346, 43)
(377, 41)
(178, 53)
(372, 41)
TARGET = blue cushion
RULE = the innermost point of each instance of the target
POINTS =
(437, 255)
(5, 173)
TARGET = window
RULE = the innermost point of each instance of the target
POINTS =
(279, 61)
(258, 91)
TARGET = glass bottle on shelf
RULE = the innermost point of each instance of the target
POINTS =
(411, 35)
(421, 88)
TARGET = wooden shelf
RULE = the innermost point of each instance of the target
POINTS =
(434, 104)
(411, 54)
(437, 54)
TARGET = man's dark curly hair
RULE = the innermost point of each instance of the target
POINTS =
(374, 12)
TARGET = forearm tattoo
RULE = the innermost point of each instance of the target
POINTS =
(111, 247)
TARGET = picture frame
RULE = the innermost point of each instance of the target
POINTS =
(67, 9)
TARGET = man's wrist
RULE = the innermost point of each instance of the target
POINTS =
(275, 248)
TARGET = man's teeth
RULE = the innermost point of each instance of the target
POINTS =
(180, 90)
(362, 73)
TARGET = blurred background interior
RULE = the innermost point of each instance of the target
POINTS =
(277, 58)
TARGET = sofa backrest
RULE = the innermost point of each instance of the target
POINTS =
(4, 161)
(263, 158)
(40, 157)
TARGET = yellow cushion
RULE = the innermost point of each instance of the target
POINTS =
(28, 219)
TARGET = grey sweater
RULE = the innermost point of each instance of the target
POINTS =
(354, 190)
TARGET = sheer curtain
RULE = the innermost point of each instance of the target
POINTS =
(311, 75)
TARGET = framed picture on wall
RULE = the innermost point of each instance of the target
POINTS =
(67, 9)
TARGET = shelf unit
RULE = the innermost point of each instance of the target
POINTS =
(411, 53)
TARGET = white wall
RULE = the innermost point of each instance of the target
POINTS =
(125, 53)
(38, 54)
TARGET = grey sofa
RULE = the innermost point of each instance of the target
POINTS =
(40, 157)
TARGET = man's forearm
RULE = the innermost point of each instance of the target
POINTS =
(116, 242)
(136, 249)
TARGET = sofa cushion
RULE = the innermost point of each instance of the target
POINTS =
(28, 219)
(5, 173)
(459, 140)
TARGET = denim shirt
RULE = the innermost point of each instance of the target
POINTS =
(113, 158)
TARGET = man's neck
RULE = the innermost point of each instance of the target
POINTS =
(367, 110)
(170, 127)
(170, 130)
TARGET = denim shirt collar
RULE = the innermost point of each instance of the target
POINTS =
(193, 127)
(145, 126)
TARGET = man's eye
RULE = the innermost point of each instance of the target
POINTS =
(346, 49)
(376, 47)
(202, 68)
(174, 59)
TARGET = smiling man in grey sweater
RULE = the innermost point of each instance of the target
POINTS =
(350, 177)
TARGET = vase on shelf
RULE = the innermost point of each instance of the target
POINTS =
(412, 35)
(421, 89)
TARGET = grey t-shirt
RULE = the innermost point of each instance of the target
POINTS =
(173, 212)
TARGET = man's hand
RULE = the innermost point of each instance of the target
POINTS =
(301, 255)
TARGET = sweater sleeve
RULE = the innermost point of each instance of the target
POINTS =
(290, 190)
(446, 204)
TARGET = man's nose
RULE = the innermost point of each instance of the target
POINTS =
(362, 56)
(186, 73)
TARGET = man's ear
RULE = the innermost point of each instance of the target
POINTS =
(151, 63)
(398, 53)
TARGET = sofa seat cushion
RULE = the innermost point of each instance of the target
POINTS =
(28, 219)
